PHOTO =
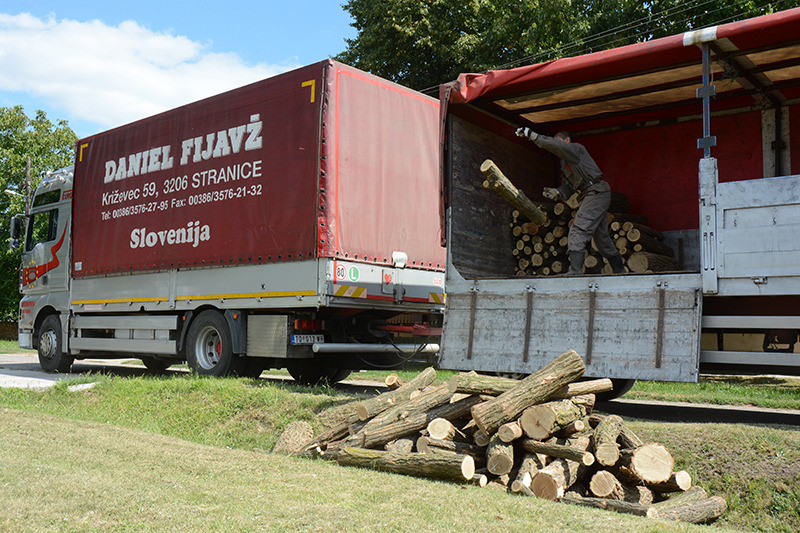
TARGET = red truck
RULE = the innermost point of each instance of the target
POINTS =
(288, 223)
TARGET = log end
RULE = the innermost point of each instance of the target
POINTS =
(546, 487)
(468, 467)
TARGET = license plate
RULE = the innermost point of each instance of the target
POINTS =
(308, 339)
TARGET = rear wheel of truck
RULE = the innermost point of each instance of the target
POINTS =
(155, 364)
(209, 346)
(621, 386)
(314, 374)
(51, 357)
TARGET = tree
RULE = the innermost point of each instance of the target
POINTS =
(49, 146)
(423, 43)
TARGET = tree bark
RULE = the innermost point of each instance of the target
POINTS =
(649, 244)
(449, 467)
(692, 494)
(294, 438)
(499, 456)
(402, 445)
(609, 505)
(642, 228)
(580, 388)
(645, 261)
(369, 408)
(696, 513)
(604, 440)
(528, 467)
(491, 414)
(480, 384)
(426, 444)
(503, 186)
(562, 451)
(380, 434)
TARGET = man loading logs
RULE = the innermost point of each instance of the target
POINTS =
(580, 174)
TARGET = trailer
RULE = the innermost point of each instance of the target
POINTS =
(288, 223)
(701, 131)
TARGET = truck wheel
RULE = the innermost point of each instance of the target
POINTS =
(209, 346)
(314, 374)
(155, 364)
(51, 357)
(621, 386)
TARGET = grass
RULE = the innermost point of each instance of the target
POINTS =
(72, 476)
(776, 392)
(178, 452)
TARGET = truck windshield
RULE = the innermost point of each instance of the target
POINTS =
(42, 227)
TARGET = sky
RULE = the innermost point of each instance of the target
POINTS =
(101, 64)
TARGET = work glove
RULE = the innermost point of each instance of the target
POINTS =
(550, 193)
(527, 132)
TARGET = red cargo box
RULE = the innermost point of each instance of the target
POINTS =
(323, 161)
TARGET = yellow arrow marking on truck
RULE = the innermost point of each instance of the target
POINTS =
(80, 154)
(312, 84)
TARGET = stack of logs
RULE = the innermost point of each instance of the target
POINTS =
(534, 437)
(541, 250)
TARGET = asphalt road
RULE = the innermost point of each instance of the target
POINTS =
(23, 370)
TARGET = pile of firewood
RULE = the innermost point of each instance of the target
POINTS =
(541, 250)
(534, 437)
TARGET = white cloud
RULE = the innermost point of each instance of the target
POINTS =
(113, 75)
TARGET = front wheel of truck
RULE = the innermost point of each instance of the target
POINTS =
(51, 357)
(209, 346)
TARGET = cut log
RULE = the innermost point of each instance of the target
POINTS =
(448, 467)
(492, 414)
(571, 429)
(628, 217)
(427, 444)
(579, 388)
(503, 186)
(393, 381)
(641, 262)
(530, 464)
(696, 513)
(403, 445)
(509, 431)
(443, 429)
(604, 440)
(563, 451)
(294, 438)
(609, 505)
(647, 464)
(499, 456)
(692, 494)
(678, 482)
(642, 228)
(480, 384)
(379, 434)
(369, 408)
(605, 485)
(649, 244)
(543, 420)
(552, 481)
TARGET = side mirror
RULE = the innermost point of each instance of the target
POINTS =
(16, 229)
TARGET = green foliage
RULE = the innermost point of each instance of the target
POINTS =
(49, 146)
(423, 43)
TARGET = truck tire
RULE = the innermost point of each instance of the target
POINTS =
(51, 357)
(209, 347)
(621, 386)
(309, 373)
(155, 364)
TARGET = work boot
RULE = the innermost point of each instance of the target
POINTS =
(616, 264)
(575, 263)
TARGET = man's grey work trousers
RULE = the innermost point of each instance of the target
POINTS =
(591, 220)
